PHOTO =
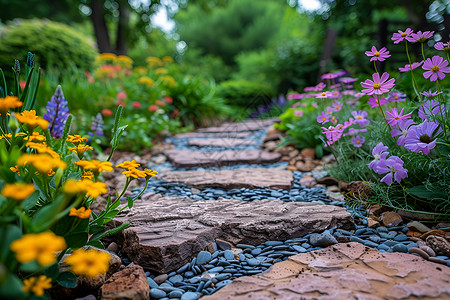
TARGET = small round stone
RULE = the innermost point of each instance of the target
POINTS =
(228, 254)
(152, 283)
(157, 293)
(400, 248)
(189, 296)
(203, 257)
(419, 251)
(253, 262)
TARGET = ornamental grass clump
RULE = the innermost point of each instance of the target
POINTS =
(48, 182)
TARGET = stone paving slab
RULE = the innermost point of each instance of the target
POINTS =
(186, 158)
(241, 126)
(233, 179)
(166, 232)
(235, 135)
(344, 271)
(220, 142)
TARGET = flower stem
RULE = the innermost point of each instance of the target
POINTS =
(410, 67)
(375, 66)
(421, 47)
(127, 183)
(441, 104)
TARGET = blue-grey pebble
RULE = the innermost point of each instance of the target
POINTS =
(175, 294)
(216, 270)
(176, 278)
(370, 244)
(223, 283)
(256, 251)
(253, 262)
(375, 238)
(203, 257)
(356, 239)
(324, 239)
(152, 283)
(299, 249)
(228, 254)
(384, 247)
(401, 237)
(189, 296)
(189, 274)
(400, 248)
(157, 293)
(183, 268)
(273, 243)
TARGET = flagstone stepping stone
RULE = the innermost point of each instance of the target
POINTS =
(233, 179)
(189, 158)
(223, 142)
(235, 135)
(168, 232)
(344, 271)
(241, 126)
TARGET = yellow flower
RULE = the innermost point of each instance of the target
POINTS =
(128, 165)
(87, 175)
(29, 117)
(168, 81)
(81, 213)
(160, 71)
(85, 186)
(22, 134)
(80, 149)
(6, 136)
(18, 191)
(42, 162)
(15, 169)
(154, 62)
(76, 139)
(125, 59)
(167, 59)
(37, 285)
(134, 173)
(43, 148)
(35, 137)
(50, 173)
(89, 262)
(95, 165)
(41, 247)
(145, 80)
(140, 70)
(7, 103)
(107, 56)
(150, 173)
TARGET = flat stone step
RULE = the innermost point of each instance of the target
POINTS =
(241, 126)
(186, 158)
(242, 134)
(220, 142)
(233, 179)
(344, 271)
(166, 232)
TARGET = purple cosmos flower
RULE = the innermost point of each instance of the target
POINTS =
(310, 89)
(296, 96)
(347, 80)
(394, 117)
(420, 36)
(380, 55)
(57, 113)
(353, 131)
(337, 106)
(374, 102)
(430, 94)
(320, 86)
(329, 76)
(298, 113)
(419, 137)
(97, 126)
(402, 130)
(435, 67)
(401, 35)
(379, 85)
(431, 108)
(360, 117)
(324, 95)
(335, 86)
(394, 166)
(409, 67)
(335, 95)
(358, 141)
(396, 97)
(349, 93)
(442, 46)
(323, 118)
(332, 134)
(379, 154)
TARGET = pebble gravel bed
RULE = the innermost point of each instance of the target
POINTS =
(210, 271)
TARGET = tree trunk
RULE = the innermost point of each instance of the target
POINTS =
(100, 29)
(122, 27)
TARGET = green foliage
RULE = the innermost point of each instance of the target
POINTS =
(246, 94)
(56, 45)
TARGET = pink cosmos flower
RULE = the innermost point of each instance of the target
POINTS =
(379, 155)
(332, 134)
(419, 137)
(374, 102)
(402, 130)
(335, 95)
(320, 86)
(323, 118)
(378, 86)
(295, 96)
(430, 94)
(329, 76)
(353, 131)
(310, 89)
(324, 95)
(360, 117)
(435, 68)
(349, 93)
(442, 46)
(396, 97)
(420, 36)
(431, 108)
(394, 117)
(335, 86)
(401, 35)
(409, 67)
(358, 141)
(380, 55)
(347, 80)
(337, 106)
(298, 113)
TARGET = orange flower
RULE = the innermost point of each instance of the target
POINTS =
(87, 175)
(150, 173)
(135, 173)
(95, 165)
(80, 149)
(32, 121)
(128, 164)
(18, 191)
(7, 103)
(76, 139)
(81, 213)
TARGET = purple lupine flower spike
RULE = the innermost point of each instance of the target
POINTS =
(97, 126)
(57, 113)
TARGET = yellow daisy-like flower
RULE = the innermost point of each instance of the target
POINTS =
(41, 247)
(150, 173)
(168, 81)
(80, 149)
(43, 148)
(7, 103)
(76, 139)
(135, 173)
(15, 169)
(146, 80)
(128, 165)
(140, 70)
(107, 56)
(167, 59)
(95, 166)
(35, 137)
(23, 134)
(18, 191)
(160, 71)
(37, 285)
(6, 136)
(154, 62)
(88, 263)
(32, 121)
(42, 162)
(125, 59)
(81, 213)
(85, 186)
(87, 175)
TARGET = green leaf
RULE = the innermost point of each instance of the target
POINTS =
(12, 288)
(130, 202)
(96, 243)
(31, 201)
(52, 271)
(77, 239)
(12, 233)
(67, 279)
(30, 267)
(422, 192)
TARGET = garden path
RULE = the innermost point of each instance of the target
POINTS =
(222, 208)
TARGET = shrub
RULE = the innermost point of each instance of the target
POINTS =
(247, 94)
(55, 44)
